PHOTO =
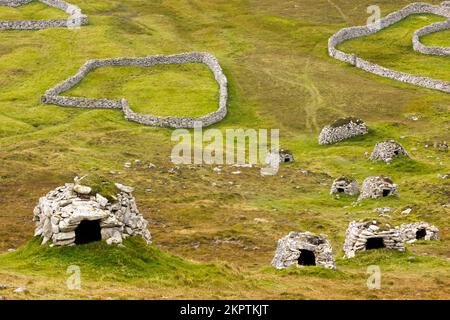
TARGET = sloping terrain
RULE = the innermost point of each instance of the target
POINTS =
(274, 54)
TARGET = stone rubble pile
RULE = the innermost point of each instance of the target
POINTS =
(59, 215)
(297, 244)
(342, 129)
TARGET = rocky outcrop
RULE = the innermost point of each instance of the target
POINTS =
(378, 187)
(386, 151)
(304, 249)
(345, 185)
(342, 129)
(362, 236)
(76, 19)
(72, 215)
(363, 31)
(53, 96)
(411, 232)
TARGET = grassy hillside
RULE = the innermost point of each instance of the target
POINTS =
(274, 55)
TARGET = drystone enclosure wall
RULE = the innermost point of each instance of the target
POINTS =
(363, 31)
(76, 16)
(53, 96)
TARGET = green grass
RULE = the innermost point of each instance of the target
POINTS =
(280, 76)
(187, 90)
(98, 261)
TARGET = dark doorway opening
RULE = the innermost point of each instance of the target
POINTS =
(307, 258)
(420, 234)
(88, 231)
(375, 243)
(386, 192)
(341, 190)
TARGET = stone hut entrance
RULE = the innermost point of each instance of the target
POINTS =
(375, 243)
(421, 233)
(300, 249)
(88, 231)
(307, 258)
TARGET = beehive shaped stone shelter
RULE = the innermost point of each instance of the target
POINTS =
(73, 215)
(304, 249)
(362, 236)
(411, 232)
(386, 151)
(342, 129)
(378, 187)
(345, 185)
(76, 18)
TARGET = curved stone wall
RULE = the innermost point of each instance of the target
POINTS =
(73, 20)
(433, 28)
(53, 96)
(363, 31)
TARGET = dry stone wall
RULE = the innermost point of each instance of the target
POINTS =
(76, 16)
(53, 96)
(363, 31)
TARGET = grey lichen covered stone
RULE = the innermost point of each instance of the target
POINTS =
(378, 187)
(386, 151)
(345, 185)
(60, 213)
(291, 247)
(411, 232)
(342, 129)
(362, 236)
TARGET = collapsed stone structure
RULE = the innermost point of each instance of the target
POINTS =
(52, 96)
(363, 31)
(362, 236)
(378, 187)
(342, 129)
(304, 249)
(76, 19)
(72, 214)
(411, 232)
(345, 185)
(386, 151)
